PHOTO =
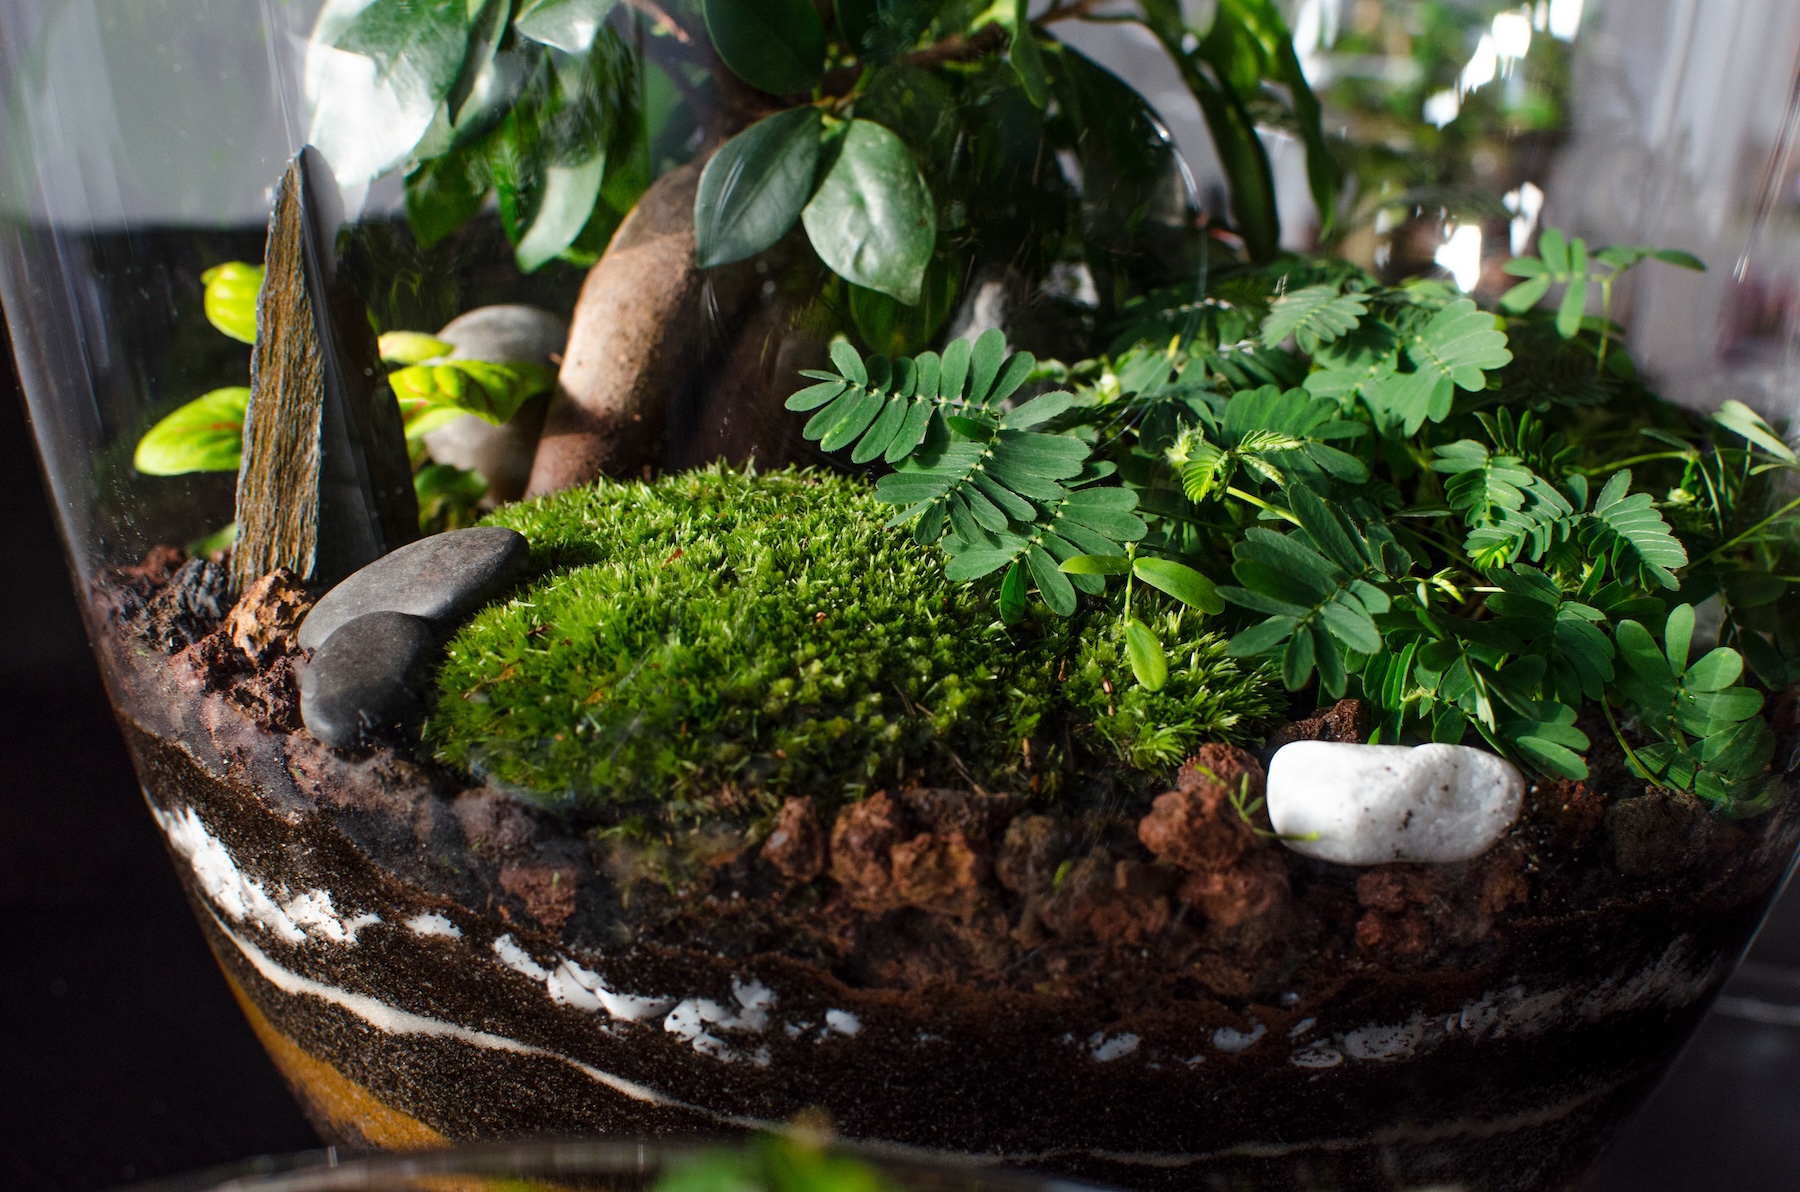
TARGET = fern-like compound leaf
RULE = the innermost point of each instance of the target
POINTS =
(1635, 534)
(882, 408)
(1314, 315)
(1454, 350)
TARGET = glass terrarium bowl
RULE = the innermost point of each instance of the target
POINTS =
(1240, 400)
(775, 1163)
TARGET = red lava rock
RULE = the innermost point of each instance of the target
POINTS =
(1392, 888)
(1573, 808)
(939, 873)
(1034, 846)
(1346, 720)
(797, 845)
(213, 662)
(980, 817)
(1406, 934)
(862, 840)
(1195, 825)
(548, 891)
(493, 824)
(1232, 897)
(264, 620)
(152, 571)
(1110, 900)
(1499, 881)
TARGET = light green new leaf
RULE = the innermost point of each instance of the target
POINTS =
(1148, 661)
(776, 46)
(230, 298)
(567, 25)
(1096, 565)
(205, 435)
(1741, 420)
(412, 347)
(1183, 583)
(492, 392)
(872, 219)
(754, 187)
(1313, 316)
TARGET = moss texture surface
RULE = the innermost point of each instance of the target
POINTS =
(718, 635)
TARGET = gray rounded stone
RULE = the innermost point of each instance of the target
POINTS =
(441, 579)
(508, 334)
(366, 684)
(502, 454)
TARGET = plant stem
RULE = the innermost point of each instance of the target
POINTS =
(1725, 546)
(1603, 469)
(1257, 501)
(1631, 757)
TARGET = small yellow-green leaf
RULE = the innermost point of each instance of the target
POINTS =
(231, 291)
(1181, 582)
(1096, 565)
(412, 347)
(1148, 662)
(491, 391)
(206, 435)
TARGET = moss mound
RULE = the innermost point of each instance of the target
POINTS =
(718, 634)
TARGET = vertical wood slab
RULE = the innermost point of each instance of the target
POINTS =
(325, 486)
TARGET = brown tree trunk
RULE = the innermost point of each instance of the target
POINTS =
(641, 335)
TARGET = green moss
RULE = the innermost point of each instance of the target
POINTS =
(714, 635)
(1208, 696)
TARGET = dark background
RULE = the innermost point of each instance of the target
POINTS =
(124, 1058)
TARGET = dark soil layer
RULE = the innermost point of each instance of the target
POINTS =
(1156, 998)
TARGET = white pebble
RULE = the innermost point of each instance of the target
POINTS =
(1373, 804)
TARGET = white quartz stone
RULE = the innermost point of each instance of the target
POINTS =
(1372, 804)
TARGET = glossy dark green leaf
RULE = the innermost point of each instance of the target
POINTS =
(776, 46)
(888, 325)
(754, 187)
(562, 210)
(368, 116)
(567, 25)
(872, 219)
(445, 193)
(1028, 60)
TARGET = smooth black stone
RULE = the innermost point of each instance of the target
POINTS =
(366, 684)
(443, 579)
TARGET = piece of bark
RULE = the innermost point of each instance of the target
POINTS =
(646, 331)
(325, 486)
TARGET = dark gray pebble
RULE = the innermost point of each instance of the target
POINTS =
(366, 684)
(442, 578)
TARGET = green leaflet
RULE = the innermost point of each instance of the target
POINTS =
(1322, 586)
(492, 392)
(884, 408)
(230, 298)
(1713, 740)
(205, 435)
(1452, 351)
(1314, 315)
(1268, 436)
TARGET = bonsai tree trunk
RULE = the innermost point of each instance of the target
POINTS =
(640, 334)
